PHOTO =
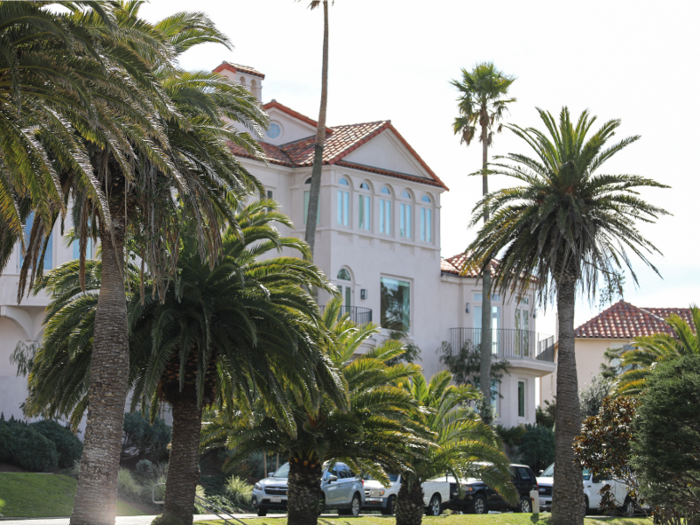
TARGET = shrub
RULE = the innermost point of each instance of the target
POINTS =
(591, 399)
(74, 470)
(6, 440)
(68, 446)
(239, 491)
(145, 438)
(666, 449)
(536, 447)
(32, 451)
(127, 486)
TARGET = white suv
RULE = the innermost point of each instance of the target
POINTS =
(342, 490)
(379, 497)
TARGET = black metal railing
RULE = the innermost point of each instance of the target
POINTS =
(506, 343)
(358, 314)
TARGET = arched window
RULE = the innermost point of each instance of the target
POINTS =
(385, 212)
(426, 199)
(364, 186)
(365, 205)
(308, 181)
(345, 288)
(405, 195)
(253, 87)
(243, 81)
(48, 255)
(344, 203)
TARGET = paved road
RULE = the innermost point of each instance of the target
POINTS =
(121, 520)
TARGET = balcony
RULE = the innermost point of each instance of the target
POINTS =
(507, 343)
(358, 314)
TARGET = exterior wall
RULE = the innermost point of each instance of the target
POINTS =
(589, 356)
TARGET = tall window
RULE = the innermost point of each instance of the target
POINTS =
(48, 256)
(364, 212)
(385, 212)
(495, 325)
(521, 398)
(307, 198)
(426, 221)
(522, 327)
(395, 304)
(344, 203)
(345, 288)
(405, 217)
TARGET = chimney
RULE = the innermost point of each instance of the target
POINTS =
(246, 76)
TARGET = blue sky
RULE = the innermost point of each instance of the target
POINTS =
(395, 58)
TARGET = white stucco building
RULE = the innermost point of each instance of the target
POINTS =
(378, 239)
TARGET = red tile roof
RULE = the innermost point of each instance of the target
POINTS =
(230, 66)
(453, 265)
(626, 321)
(340, 142)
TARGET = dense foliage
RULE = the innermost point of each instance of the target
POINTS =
(142, 438)
(26, 448)
(667, 439)
(68, 446)
(536, 447)
(605, 447)
(591, 398)
(465, 365)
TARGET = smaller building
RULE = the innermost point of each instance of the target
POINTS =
(613, 328)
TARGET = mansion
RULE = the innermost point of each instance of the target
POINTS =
(378, 240)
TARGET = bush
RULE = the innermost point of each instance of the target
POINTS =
(591, 399)
(145, 438)
(25, 447)
(127, 486)
(32, 451)
(68, 446)
(536, 447)
(239, 491)
(666, 449)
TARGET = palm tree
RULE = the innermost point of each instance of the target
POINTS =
(567, 226)
(242, 327)
(464, 446)
(481, 102)
(370, 431)
(652, 349)
(45, 94)
(315, 190)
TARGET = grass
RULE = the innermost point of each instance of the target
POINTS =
(31, 495)
(456, 519)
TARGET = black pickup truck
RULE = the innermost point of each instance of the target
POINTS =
(479, 498)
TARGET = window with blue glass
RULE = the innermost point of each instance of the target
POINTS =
(48, 255)
(426, 221)
(405, 217)
(344, 203)
(385, 212)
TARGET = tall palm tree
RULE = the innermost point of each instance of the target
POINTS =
(315, 190)
(45, 94)
(370, 431)
(568, 227)
(482, 101)
(240, 328)
(167, 137)
(464, 446)
(651, 349)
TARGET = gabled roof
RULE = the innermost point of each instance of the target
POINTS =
(453, 265)
(340, 142)
(626, 321)
(233, 68)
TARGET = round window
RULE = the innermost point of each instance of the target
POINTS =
(274, 130)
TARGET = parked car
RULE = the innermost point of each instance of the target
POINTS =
(379, 497)
(342, 489)
(591, 492)
(479, 498)
(436, 494)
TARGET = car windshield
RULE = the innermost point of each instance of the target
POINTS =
(586, 475)
(392, 478)
(549, 473)
(282, 472)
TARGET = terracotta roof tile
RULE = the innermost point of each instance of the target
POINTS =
(273, 153)
(238, 67)
(453, 265)
(626, 321)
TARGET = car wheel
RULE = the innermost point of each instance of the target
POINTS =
(586, 505)
(479, 505)
(389, 509)
(355, 505)
(630, 508)
(434, 507)
(525, 505)
(262, 511)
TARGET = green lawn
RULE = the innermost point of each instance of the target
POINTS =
(491, 519)
(31, 495)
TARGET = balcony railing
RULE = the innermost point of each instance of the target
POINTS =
(358, 314)
(506, 343)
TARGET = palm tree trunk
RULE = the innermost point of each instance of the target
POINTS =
(315, 190)
(96, 495)
(183, 470)
(304, 492)
(567, 498)
(409, 504)
(486, 335)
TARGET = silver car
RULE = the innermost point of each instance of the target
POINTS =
(342, 490)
